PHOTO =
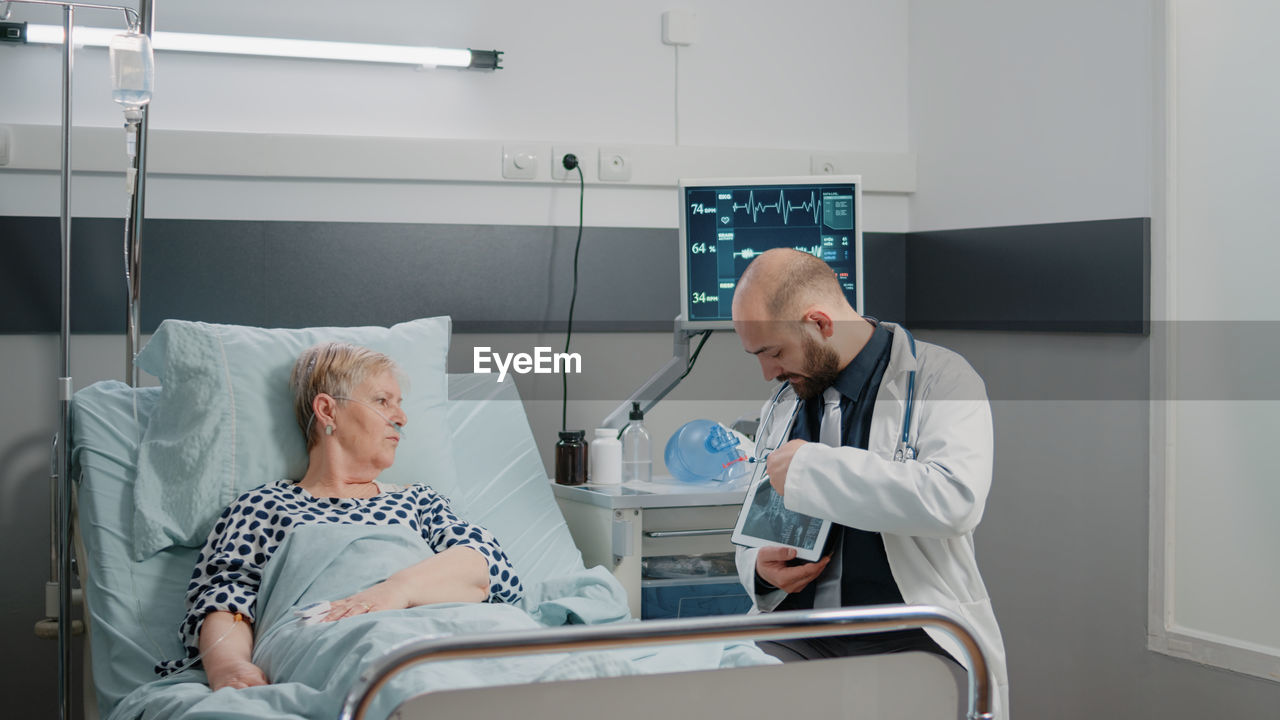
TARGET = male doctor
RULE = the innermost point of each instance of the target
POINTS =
(903, 526)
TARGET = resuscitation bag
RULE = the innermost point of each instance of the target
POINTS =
(705, 451)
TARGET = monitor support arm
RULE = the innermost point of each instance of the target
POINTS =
(663, 382)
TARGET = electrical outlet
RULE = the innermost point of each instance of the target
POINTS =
(520, 162)
(5, 142)
(823, 165)
(557, 162)
(615, 164)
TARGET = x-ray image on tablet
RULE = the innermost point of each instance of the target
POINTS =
(765, 521)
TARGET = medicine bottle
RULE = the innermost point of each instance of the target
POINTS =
(606, 458)
(637, 462)
(571, 457)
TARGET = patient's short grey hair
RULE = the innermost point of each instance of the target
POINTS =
(335, 369)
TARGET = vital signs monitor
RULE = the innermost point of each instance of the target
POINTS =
(725, 223)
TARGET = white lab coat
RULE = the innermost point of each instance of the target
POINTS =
(925, 509)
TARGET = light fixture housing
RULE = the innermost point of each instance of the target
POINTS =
(418, 56)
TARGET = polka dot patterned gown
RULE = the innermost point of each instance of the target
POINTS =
(229, 568)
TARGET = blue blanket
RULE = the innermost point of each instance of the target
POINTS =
(311, 667)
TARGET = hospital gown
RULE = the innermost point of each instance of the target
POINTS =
(229, 568)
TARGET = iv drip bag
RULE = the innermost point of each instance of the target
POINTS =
(132, 72)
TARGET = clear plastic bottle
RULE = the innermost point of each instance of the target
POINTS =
(133, 69)
(637, 461)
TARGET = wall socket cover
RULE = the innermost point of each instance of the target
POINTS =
(520, 162)
(5, 142)
(615, 164)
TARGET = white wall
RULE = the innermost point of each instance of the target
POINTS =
(829, 76)
(1219, 577)
(1027, 112)
(574, 69)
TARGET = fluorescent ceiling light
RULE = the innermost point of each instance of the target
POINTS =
(279, 47)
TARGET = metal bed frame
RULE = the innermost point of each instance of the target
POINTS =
(769, 626)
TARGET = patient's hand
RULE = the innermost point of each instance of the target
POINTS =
(386, 595)
(235, 674)
(459, 574)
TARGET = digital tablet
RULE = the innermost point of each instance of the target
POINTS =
(764, 521)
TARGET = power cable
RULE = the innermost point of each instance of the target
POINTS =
(570, 162)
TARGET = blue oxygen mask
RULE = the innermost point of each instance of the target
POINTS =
(705, 451)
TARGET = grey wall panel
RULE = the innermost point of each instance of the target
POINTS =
(1059, 277)
(488, 278)
(885, 276)
(296, 274)
(30, 275)
(213, 271)
(1087, 276)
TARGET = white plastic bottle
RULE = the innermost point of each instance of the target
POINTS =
(637, 462)
(605, 458)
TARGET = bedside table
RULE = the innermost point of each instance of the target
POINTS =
(618, 526)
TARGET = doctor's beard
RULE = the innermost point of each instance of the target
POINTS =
(822, 367)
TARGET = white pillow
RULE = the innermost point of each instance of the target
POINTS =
(225, 424)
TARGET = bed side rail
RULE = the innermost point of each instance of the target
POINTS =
(767, 626)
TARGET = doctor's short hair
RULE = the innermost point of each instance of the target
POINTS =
(336, 369)
(799, 279)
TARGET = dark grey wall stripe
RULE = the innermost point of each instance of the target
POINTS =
(1090, 276)
(885, 277)
(298, 274)
(30, 276)
(489, 278)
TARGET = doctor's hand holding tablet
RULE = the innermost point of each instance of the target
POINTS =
(777, 566)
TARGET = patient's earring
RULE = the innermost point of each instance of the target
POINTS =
(328, 429)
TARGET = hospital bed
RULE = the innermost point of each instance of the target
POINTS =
(129, 450)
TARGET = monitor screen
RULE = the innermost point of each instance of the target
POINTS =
(725, 223)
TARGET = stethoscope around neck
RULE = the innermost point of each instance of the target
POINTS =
(904, 451)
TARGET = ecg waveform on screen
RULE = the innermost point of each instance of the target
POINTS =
(749, 253)
(782, 206)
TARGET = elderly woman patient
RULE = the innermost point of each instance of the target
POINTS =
(347, 402)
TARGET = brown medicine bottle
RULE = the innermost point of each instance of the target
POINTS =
(571, 457)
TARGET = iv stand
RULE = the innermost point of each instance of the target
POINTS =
(61, 482)
(137, 208)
